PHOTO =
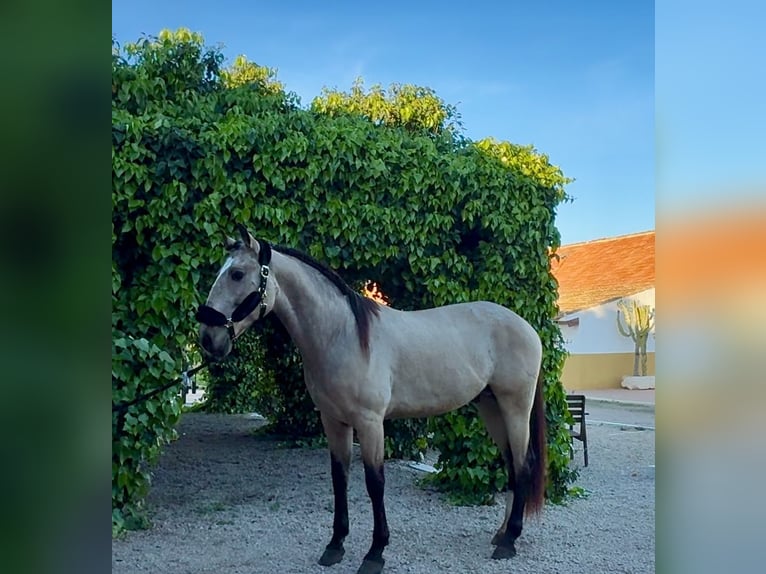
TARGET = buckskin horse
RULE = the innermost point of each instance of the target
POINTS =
(364, 362)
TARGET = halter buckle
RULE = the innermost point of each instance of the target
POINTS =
(230, 328)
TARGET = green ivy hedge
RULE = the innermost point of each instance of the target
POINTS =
(432, 217)
(138, 432)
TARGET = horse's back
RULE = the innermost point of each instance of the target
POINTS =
(477, 323)
(441, 358)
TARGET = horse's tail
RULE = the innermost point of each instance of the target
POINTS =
(537, 452)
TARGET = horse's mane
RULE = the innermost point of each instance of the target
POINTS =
(362, 307)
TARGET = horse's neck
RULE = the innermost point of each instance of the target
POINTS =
(310, 307)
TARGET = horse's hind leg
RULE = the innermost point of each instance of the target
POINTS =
(370, 434)
(490, 413)
(339, 437)
(517, 427)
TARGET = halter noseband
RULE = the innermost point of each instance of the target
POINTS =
(213, 318)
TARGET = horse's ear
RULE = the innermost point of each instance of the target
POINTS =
(230, 243)
(247, 239)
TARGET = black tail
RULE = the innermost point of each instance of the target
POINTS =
(537, 452)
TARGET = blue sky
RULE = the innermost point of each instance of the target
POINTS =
(710, 94)
(575, 79)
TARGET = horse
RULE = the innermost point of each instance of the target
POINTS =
(364, 362)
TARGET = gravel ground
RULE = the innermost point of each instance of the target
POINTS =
(224, 501)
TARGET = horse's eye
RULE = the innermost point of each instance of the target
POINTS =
(237, 274)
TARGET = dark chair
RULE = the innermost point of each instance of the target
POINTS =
(576, 406)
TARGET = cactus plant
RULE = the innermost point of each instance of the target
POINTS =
(637, 322)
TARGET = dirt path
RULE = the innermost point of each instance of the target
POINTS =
(225, 502)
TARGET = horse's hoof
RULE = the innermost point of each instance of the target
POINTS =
(497, 537)
(332, 556)
(371, 567)
(503, 552)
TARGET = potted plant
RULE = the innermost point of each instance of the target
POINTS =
(636, 322)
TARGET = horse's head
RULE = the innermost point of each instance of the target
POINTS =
(242, 293)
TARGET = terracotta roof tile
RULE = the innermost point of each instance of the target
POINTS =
(594, 272)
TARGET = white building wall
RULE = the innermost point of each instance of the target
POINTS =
(597, 331)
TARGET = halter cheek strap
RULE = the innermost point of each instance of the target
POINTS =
(214, 318)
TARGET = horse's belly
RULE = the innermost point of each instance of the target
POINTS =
(432, 405)
(434, 393)
(416, 385)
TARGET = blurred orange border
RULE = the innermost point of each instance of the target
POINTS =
(715, 255)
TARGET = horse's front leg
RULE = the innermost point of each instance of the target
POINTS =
(370, 434)
(339, 437)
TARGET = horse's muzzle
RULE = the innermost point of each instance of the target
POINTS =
(215, 342)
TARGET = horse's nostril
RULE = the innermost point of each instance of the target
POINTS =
(207, 342)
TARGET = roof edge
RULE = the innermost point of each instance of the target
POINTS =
(611, 238)
(604, 302)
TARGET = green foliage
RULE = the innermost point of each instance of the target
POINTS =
(138, 432)
(244, 73)
(406, 438)
(470, 467)
(578, 492)
(235, 385)
(388, 193)
(412, 107)
(560, 473)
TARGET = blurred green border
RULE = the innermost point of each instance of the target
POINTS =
(55, 182)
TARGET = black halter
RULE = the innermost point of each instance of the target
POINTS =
(213, 318)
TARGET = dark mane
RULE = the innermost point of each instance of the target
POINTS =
(362, 307)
